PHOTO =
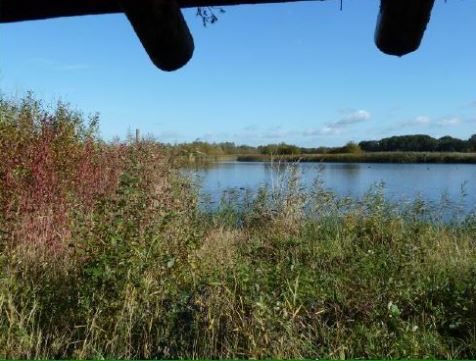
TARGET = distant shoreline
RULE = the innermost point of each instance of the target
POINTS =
(374, 157)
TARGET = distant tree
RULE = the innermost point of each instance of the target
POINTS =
(450, 144)
(304, 150)
(409, 143)
(472, 143)
(370, 145)
(279, 149)
(403, 143)
(227, 147)
(351, 147)
(246, 149)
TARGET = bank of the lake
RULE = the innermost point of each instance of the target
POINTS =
(374, 157)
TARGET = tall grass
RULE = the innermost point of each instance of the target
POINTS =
(105, 253)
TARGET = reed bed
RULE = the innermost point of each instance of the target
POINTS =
(370, 157)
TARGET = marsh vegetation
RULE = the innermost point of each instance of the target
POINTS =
(370, 157)
(105, 253)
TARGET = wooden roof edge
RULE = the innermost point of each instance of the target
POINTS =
(23, 10)
(162, 29)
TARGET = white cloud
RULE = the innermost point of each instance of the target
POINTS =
(330, 130)
(449, 122)
(421, 120)
(325, 130)
(425, 121)
(355, 117)
(342, 124)
(277, 133)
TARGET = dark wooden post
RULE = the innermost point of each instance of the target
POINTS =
(162, 30)
(401, 25)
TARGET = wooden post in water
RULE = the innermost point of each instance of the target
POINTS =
(162, 30)
(401, 25)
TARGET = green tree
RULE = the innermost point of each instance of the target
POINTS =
(450, 144)
(279, 149)
(472, 143)
(352, 147)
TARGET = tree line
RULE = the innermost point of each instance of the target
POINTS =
(419, 143)
(403, 143)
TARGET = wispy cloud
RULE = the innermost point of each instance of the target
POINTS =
(418, 121)
(448, 122)
(422, 120)
(325, 130)
(354, 117)
(339, 126)
(56, 65)
(427, 122)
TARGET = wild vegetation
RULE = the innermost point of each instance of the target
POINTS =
(106, 252)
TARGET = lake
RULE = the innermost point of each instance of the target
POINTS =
(402, 182)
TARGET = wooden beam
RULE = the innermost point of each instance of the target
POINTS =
(162, 30)
(21, 10)
(401, 25)
(166, 38)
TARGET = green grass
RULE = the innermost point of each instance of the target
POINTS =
(377, 157)
(114, 258)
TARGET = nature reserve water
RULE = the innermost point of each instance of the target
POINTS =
(402, 182)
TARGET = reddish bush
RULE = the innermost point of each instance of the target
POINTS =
(52, 164)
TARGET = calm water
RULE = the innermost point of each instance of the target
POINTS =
(403, 182)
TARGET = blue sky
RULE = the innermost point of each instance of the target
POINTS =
(304, 73)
